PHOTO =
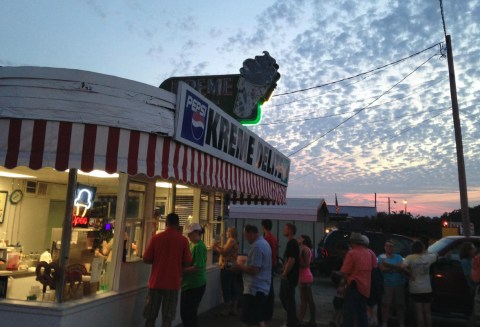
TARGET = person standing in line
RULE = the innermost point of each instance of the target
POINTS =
(194, 277)
(306, 280)
(228, 277)
(164, 283)
(256, 277)
(418, 264)
(357, 269)
(395, 282)
(467, 253)
(273, 242)
(290, 275)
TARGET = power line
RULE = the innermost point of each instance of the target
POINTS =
(358, 75)
(279, 122)
(359, 111)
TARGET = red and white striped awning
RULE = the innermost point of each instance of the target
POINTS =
(64, 145)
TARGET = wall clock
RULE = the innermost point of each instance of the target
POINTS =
(16, 196)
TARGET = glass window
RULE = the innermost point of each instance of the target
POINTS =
(32, 232)
(133, 236)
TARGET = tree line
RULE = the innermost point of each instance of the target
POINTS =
(422, 227)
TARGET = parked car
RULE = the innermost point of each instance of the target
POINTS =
(450, 288)
(328, 258)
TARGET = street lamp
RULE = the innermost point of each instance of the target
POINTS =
(405, 204)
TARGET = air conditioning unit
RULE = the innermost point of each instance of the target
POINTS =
(36, 188)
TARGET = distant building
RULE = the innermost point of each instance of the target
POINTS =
(311, 216)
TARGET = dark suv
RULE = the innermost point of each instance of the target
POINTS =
(328, 258)
(450, 288)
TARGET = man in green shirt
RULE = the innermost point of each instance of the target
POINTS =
(194, 278)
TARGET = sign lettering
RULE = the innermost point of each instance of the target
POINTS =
(201, 124)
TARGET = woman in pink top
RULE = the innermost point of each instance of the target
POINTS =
(306, 279)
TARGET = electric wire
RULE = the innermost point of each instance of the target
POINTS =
(362, 109)
(279, 122)
(360, 74)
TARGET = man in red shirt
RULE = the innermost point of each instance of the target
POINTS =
(357, 269)
(273, 242)
(167, 252)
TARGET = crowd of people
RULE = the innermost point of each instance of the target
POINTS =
(368, 288)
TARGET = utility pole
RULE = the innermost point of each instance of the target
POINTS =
(462, 178)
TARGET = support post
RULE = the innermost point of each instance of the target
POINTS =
(462, 179)
(66, 234)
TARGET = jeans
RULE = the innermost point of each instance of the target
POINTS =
(189, 303)
(287, 297)
(228, 280)
(354, 307)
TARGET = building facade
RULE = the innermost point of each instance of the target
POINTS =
(90, 165)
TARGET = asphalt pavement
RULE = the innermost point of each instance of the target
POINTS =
(323, 293)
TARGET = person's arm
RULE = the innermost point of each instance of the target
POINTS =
(288, 266)
(304, 258)
(223, 250)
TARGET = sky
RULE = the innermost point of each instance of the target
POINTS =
(353, 129)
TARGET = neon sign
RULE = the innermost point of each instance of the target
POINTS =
(82, 204)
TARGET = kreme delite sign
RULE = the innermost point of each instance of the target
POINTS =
(204, 126)
(239, 95)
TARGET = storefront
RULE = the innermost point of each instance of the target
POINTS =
(89, 167)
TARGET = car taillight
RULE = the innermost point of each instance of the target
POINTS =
(324, 252)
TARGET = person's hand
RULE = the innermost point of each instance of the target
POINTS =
(234, 266)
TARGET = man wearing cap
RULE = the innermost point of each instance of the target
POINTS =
(256, 277)
(357, 269)
(194, 278)
(168, 252)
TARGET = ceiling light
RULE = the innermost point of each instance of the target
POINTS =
(14, 175)
(97, 173)
(168, 185)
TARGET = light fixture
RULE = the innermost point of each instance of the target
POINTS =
(14, 175)
(168, 185)
(97, 173)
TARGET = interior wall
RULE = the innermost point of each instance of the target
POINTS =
(27, 221)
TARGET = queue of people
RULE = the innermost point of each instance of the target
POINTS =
(356, 284)
(186, 274)
(358, 293)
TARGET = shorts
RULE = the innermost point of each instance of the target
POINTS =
(394, 295)
(156, 298)
(421, 297)
(254, 308)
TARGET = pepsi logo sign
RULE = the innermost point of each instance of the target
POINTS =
(194, 118)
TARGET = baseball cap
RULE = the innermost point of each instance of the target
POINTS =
(193, 227)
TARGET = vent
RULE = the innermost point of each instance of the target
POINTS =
(42, 189)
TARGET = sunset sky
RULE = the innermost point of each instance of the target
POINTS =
(387, 131)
